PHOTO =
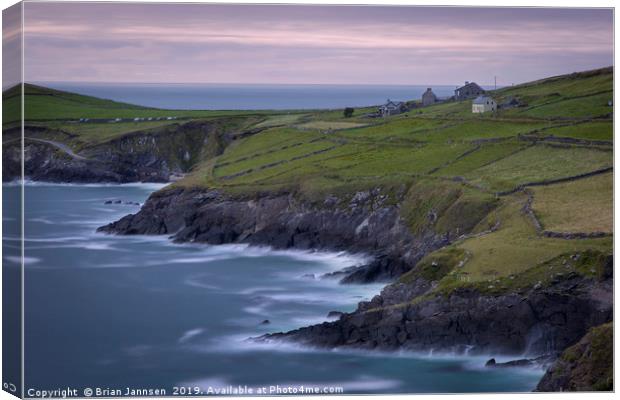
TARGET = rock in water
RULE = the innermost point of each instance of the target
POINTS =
(522, 362)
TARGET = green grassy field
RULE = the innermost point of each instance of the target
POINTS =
(331, 125)
(43, 104)
(599, 130)
(516, 246)
(585, 205)
(427, 149)
(539, 163)
(506, 259)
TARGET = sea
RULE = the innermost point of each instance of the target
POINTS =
(250, 96)
(108, 313)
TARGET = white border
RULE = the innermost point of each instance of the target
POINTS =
(479, 3)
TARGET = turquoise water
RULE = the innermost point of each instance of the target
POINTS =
(116, 312)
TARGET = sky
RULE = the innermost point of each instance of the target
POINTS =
(11, 46)
(185, 43)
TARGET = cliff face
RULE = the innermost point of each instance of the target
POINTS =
(364, 223)
(538, 321)
(542, 319)
(585, 366)
(155, 155)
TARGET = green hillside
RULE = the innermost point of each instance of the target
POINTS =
(105, 119)
(47, 105)
(459, 165)
(541, 165)
(494, 153)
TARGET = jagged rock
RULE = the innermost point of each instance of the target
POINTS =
(539, 321)
(585, 366)
(335, 314)
(151, 155)
(265, 322)
(285, 221)
(522, 362)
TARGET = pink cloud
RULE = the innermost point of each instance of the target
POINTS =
(307, 44)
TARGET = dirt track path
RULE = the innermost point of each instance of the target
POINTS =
(61, 146)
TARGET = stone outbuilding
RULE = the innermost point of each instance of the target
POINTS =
(428, 97)
(392, 108)
(468, 91)
(482, 104)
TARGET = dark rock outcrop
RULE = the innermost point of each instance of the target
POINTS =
(535, 320)
(542, 361)
(154, 155)
(365, 223)
(43, 162)
(538, 321)
(585, 366)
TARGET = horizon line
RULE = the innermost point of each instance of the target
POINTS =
(248, 83)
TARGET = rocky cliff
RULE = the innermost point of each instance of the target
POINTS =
(541, 320)
(153, 155)
(585, 366)
(411, 313)
(363, 223)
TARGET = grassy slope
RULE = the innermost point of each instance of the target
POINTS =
(580, 206)
(61, 111)
(452, 162)
(43, 104)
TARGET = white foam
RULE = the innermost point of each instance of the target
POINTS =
(239, 343)
(334, 261)
(194, 282)
(258, 289)
(198, 260)
(188, 335)
(260, 309)
(141, 185)
(18, 260)
(41, 220)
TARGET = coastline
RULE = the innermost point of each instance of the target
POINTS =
(420, 287)
(447, 212)
(159, 216)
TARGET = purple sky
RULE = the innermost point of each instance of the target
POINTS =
(310, 44)
(11, 46)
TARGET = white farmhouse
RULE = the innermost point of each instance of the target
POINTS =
(483, 104)
(392, 108)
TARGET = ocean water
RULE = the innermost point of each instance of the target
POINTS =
(113, 312)
(248, 96)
